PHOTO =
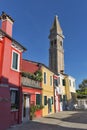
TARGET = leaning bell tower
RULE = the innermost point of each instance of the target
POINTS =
(56, 50)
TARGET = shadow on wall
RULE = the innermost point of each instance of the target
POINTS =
(5, 104)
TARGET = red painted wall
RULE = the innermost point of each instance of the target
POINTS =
(1, 56)
(11, 78)
(7, 27)
(4, 108)
(8, 78)
(32, 92)
(29, 66)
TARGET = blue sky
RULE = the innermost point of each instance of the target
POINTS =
(33, 20)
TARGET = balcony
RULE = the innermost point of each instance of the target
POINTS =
(30, 83)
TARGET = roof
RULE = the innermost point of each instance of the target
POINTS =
(13, 40)
(40, 64)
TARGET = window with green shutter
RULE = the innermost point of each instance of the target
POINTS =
(14, 94)
(38, 99)
(52, 100)
(15, 60)
(45, 100)
(51, 80)
(63, 82)
(64, 98)
(45, 78)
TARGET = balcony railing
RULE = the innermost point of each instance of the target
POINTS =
(30, 82)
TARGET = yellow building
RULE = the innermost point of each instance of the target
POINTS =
(47, 91)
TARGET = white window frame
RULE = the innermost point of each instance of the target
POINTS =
(18, 64)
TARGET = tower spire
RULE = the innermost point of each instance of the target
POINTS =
(56, 51)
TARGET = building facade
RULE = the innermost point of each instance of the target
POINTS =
(70, 89)
(43, 89)
(24, 83)
(10, 62)
(47, 91)
(31, 89)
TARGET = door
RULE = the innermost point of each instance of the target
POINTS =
(25, 113)
(49, 105)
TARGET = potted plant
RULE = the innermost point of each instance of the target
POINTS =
(32, 111)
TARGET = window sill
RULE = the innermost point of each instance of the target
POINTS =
(15, 70)
(13, 110)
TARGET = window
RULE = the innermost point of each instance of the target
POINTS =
(60, 98)
(64, 98)
(45, 100)
(50, 80)
(55, 41)
(15, 60)
(58, 80)
(55, 82)
(63, 82)
(73, 84)
(14, 99)
(38, 99)
(70, 82)
(52, 100)
(51, 43)
(44, 77)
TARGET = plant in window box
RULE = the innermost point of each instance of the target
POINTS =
(36, 76)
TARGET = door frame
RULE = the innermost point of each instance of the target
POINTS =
(27, 118)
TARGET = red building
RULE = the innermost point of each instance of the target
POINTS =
(10, 85)
(31, 88)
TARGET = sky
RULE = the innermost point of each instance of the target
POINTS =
(33, 20)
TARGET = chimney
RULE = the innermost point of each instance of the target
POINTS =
(6, 23)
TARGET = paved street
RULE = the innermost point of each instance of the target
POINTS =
(66, 120)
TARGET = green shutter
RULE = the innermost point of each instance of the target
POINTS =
(63, 82)
(51, 100)
(64, 98)
(45, 100)
(38, 99)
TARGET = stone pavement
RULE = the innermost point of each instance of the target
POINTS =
(66, 120)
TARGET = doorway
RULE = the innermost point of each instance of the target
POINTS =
(26, 105)
(49, 105)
